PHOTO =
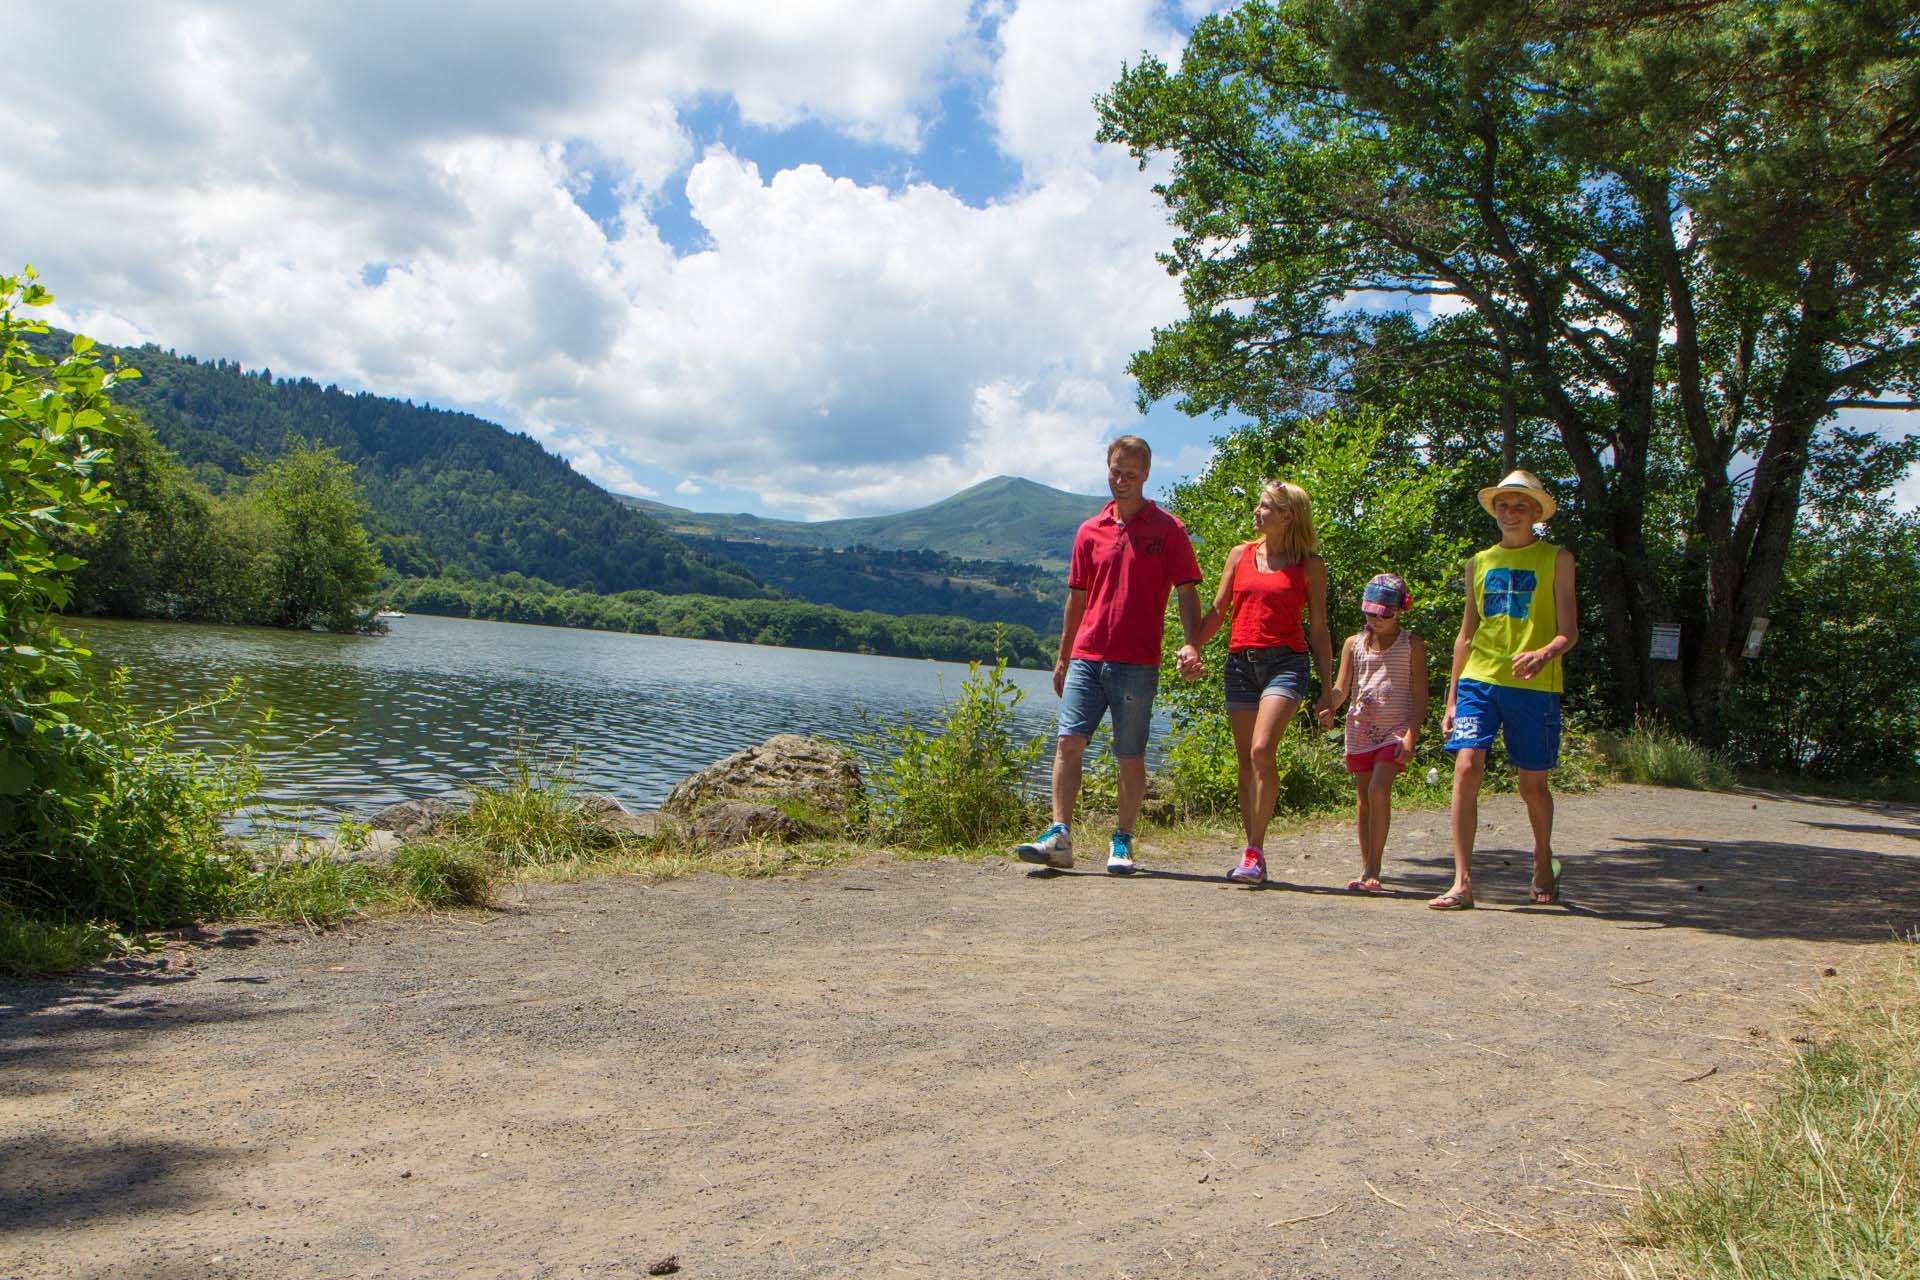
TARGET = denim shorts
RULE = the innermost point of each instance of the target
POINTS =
(1253, 674)
(1127, 688)
(1529, 720)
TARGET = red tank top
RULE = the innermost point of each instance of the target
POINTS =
(1267, 606)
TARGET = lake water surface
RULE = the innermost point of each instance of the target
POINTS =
(438, 705)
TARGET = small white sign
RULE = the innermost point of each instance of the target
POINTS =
(1666, 644)
(1757, 630)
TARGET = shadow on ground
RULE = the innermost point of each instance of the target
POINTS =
(53, 1026)
(55, 1182)
(1745, 888)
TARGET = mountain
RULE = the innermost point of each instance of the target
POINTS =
(904, 583)
(447, 491)
(1005, 518)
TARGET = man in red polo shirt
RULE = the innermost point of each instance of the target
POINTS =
(1126, 561)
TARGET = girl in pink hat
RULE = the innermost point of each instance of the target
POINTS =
(1384, 670)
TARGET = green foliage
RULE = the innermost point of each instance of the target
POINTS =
(1004, 519)
(31, 947)
(1379, 507)
(443, 490)
(1673, 243)
(532, 815)
(1833, 692)
(902, 583)
(51, 411)
(962, 783)
(1653, 753)
(322, 567)
(99, 820)
(122, 827)
(291, 550)
(792, 623)
(435, 874)
(1824, 1179)
(314, 885)
(1205, 772)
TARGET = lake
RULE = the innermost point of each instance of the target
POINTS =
(360, 722)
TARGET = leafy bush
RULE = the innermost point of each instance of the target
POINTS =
(99, 820)
(1205, 771)
(962, 784)
(1832, 692)
(131, 831)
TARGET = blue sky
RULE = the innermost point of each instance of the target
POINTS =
(807, 259)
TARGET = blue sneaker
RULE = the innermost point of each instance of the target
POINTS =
(1053, 849)
(1120, 859)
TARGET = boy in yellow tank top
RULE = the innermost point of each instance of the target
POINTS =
(1520, 619)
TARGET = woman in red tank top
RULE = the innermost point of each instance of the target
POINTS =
(1266, 585)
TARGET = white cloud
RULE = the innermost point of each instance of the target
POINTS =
(385, 195)
(1054, 58)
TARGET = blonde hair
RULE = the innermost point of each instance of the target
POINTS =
(1300, 540)
(1133, 446)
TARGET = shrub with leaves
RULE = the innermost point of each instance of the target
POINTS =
(962, 783)
(99, 820)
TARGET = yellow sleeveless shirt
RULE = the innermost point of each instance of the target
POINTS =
(1513, 593)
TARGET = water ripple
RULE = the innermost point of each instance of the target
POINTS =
(441, 704)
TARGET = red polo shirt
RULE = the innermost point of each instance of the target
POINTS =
(1127, 571)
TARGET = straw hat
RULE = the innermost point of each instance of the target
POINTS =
(1526, 484)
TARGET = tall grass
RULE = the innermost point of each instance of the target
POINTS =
(29, 947)
(1822, 1181)
(1650, 752)
(531, 816)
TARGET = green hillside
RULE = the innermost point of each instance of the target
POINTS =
(1005, 518)
(449, 492)
(904, 583)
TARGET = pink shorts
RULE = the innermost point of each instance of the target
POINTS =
(1381, 757)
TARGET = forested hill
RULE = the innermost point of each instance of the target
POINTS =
(1005, 518)
(448, 491)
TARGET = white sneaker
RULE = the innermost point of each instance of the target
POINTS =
(1120, 861)
(1054, 848)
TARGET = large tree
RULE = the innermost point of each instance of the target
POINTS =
(1679, 236)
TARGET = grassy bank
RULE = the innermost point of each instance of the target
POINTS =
(1824, 1180)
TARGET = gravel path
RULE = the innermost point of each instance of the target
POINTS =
(947, 1068)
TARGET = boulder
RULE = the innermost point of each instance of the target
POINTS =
(379, 846)
(786, 767)
(1159, 806)
(412, 819)
(729, 823)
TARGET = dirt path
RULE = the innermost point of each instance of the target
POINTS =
(947, 1069)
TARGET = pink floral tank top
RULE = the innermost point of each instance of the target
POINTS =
(1382, 703)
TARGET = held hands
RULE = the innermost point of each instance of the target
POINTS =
(1323, 711)
(1188, 663)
